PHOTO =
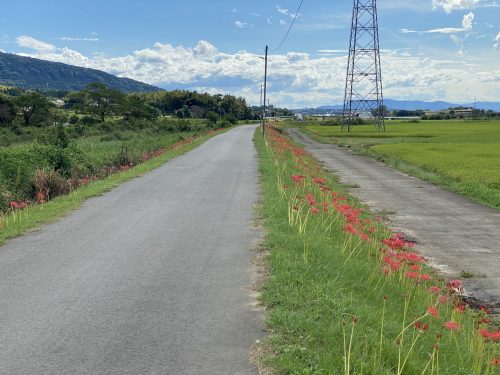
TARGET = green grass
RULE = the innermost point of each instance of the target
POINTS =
(462, 156)
(13, 224)
(325, 292)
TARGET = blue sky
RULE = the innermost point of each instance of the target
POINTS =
(432, 49)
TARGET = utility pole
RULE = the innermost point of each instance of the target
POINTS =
(260, 103)
(265, 91)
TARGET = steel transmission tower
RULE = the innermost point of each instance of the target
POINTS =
(363, 89)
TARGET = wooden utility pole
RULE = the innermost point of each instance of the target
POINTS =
(265, 91)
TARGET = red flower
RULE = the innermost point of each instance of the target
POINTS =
(443, 300)
(350, 228)
(433, 311)
(319, 181)
(495, 361)
(415, 267)
(425, 277)
(13, 204)
(434, 289)
(455, 286)
(412, 275)
(421, 327)
(314, 210)
(298, 178)
(451, 325)
(311, 199)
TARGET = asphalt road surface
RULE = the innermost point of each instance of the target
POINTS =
(151, 278)
(454, 233)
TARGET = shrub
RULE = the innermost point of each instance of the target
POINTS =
(50, 183)
(73, 119)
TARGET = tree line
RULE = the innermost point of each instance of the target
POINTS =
(97, 101)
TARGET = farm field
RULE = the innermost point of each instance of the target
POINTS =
(461, 156)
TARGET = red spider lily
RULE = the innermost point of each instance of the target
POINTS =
(461, 308)
(412, 275)
(434, 290)
(433, 311)
(451, 325)
(443, 300)
(298, 178)
(349, 228)
(490, 336)
(415, 267)
(311, 199)
(319, 181)
(455, 286)
(421, 327)
(18, 205)
(425, 277)
(495, 361)
(364, 237)
(314, 210)
(397, 242)
(41, 198)
(411, 257)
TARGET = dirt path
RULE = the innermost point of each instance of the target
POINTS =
(454, 233)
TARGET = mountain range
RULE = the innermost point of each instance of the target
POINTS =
(413, 105)
(32, 73)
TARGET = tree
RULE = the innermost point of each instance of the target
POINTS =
(7, 110)
(101, 101)
(381, 111)
(34, 107)
(135, 107)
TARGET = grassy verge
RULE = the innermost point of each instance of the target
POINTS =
(462, 157)
(345, 296)
(17, 222)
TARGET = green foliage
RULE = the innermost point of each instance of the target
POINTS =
(330, 308)
(34, 107)
(99, 100)
(7, 110)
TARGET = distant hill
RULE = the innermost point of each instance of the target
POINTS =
(32, 73)
(409, 105)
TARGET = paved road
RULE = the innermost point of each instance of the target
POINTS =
(455, 233)
(150, 278)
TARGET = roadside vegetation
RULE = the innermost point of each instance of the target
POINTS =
(345, 295)
(462, 156)
(51, 143)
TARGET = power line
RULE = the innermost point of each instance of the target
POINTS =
(290, 29)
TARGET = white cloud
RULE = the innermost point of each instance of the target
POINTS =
(286, 12)
(450, 5)
(444, 30)
(497, 40)
(37, 45)
(468, 21)
(72, 39)
(240, 24)
(296, 79)
(282, 22)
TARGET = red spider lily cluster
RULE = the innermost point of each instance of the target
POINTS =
(311, 198)
(21, 205)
